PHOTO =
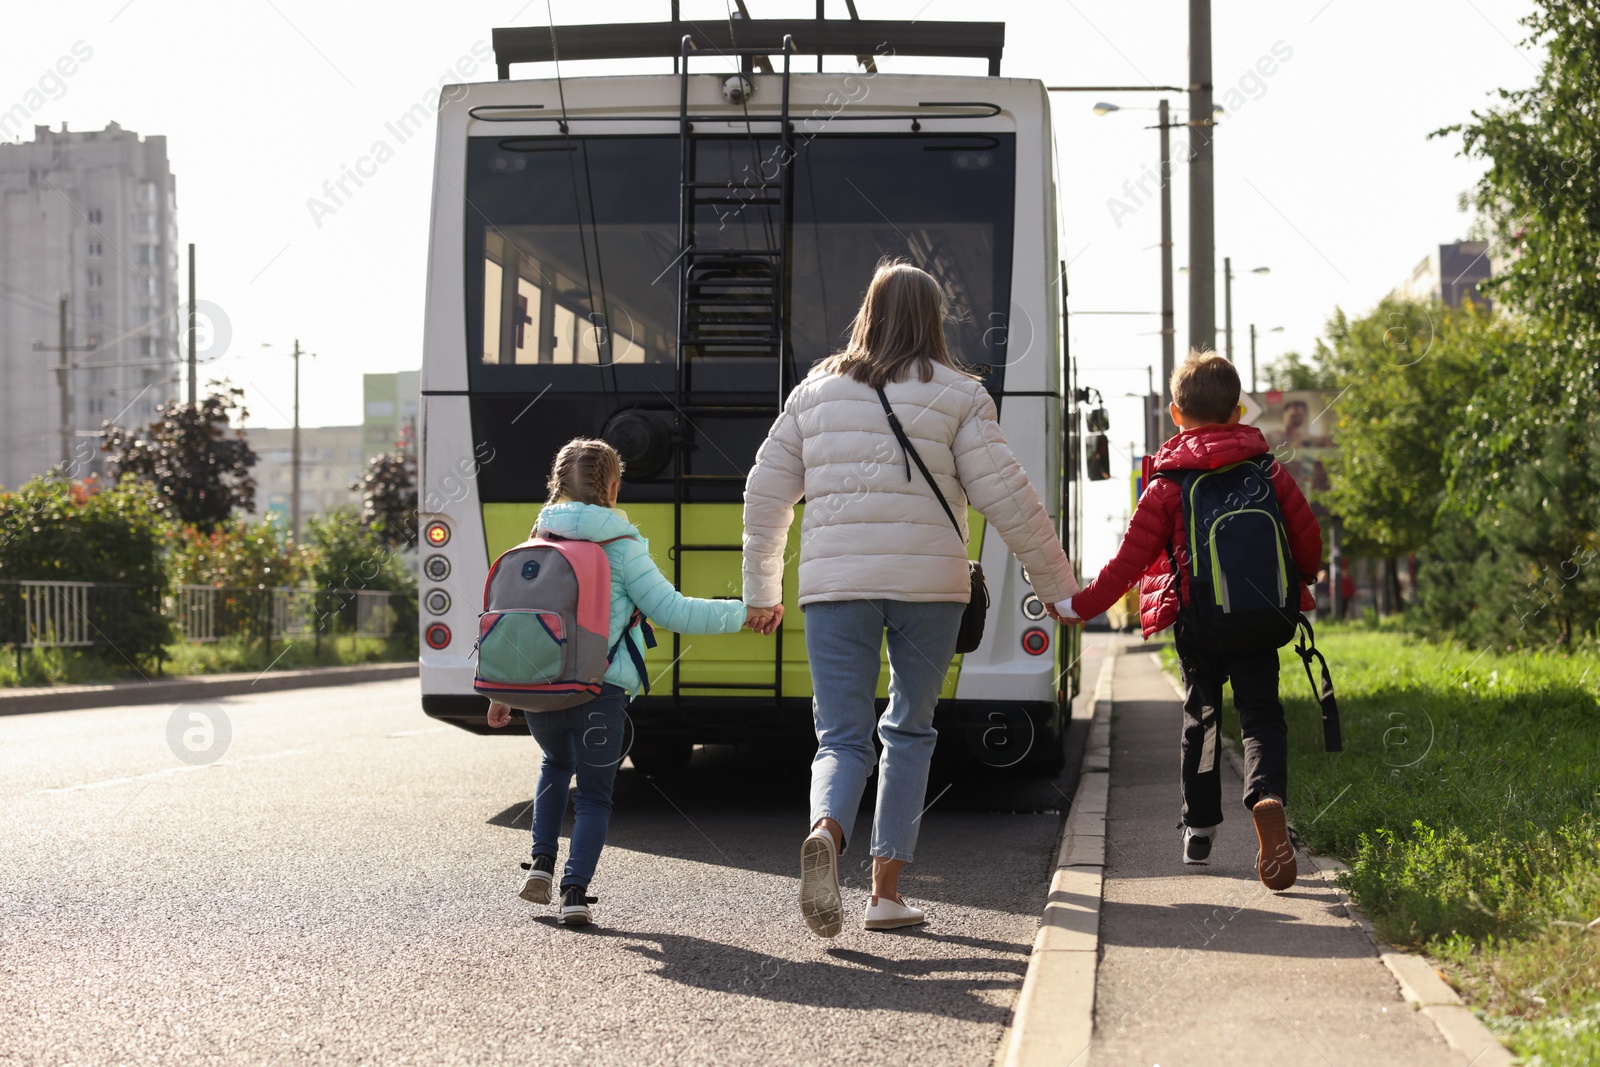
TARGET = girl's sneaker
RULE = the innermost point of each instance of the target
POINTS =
(536, 887)
(575, 901)
(1197, 841)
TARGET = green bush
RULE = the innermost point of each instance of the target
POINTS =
(56, 529)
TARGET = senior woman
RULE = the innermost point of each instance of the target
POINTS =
(879, 555)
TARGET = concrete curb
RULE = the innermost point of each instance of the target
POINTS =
(1054, 1017)
(1419, 983)
(197, 687)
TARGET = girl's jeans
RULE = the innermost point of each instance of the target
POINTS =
(585, 740)
(843, 639)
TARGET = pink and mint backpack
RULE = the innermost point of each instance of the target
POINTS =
(546, 616)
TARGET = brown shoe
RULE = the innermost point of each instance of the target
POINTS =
(1275, 863)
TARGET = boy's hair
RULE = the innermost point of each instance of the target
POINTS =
(1205, 387)
(583, 472)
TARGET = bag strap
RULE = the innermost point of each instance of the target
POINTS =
(1306, 648)
(911, 455)
(627, 641)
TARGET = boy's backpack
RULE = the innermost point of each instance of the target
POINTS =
(546, 616)
(1244, 594)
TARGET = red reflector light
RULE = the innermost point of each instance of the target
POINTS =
(438, 635)
(1035, 642)
(437, 534)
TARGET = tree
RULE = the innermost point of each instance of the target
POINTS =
(1402, 371)
(201, 471)
(1540, 200)
(1290, 372)
(389, 494)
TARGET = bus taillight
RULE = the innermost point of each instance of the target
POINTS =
(1035, 642)
(438, 534)
(438, 635)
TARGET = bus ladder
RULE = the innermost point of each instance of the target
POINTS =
(731, 303)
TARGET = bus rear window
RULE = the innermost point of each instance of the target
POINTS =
(572, 245)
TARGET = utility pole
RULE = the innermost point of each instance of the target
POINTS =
(1168, 331)
(1202, 222)
(1252, 357)
(294, 453)
(1227, 305)
(192, 364)
(66, 389)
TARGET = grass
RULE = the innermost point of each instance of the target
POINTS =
(1465, 805)
(64, 666)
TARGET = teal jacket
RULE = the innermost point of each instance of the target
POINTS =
(637, 581)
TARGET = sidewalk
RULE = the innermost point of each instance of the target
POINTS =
(1206, 965)
(193, 687)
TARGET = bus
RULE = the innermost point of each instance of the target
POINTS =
(658, 259)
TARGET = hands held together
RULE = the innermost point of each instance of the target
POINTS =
(1066, 618)
(763, 620)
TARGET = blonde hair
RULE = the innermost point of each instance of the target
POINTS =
(583, 472)
(1205, 386)
(900, 324)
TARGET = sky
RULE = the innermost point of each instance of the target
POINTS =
(1324, 169)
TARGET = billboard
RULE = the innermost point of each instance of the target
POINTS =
(1299, 427)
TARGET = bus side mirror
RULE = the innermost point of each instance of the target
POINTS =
(1097, 462)
(1098, 421)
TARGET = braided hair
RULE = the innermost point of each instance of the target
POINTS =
(583, 472)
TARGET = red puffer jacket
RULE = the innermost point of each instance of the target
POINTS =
(1158, 522)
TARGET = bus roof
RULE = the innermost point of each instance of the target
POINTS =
(749, 38)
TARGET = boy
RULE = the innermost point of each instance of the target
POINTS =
(1205, 407)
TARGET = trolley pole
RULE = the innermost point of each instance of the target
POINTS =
(1202, 222)
(66, 388)
(294, 453)
(1168, 332)
(192, 364)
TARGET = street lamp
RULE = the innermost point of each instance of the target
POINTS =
(1168, 332)
(1227, 301)
(1275, 329)
(294, 445)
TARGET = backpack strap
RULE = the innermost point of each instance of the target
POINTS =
(626, 641)
(1306, 648)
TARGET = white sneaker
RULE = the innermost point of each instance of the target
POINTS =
(1197, 841)
(886, 913)
(819, 884)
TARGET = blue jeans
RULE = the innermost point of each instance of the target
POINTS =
(585, 740)
(843, 639)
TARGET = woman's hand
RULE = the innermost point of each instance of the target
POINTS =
(763, 620)
(499, 715)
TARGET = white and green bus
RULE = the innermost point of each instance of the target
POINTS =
(659, 259)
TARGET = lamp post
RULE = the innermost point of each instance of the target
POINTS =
(1227, 302)
(1275, 329)
(1168, 327)
(1202, 218)
(294, 445)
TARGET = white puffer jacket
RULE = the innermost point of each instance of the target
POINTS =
(868, 532)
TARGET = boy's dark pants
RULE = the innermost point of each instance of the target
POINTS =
(1254, 676)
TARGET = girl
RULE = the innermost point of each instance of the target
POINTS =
(878, 554)
(586, 740)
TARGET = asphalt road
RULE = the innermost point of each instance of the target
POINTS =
(338, 885)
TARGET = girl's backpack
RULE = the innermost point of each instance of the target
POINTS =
(546, 616)
(1244, 595)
